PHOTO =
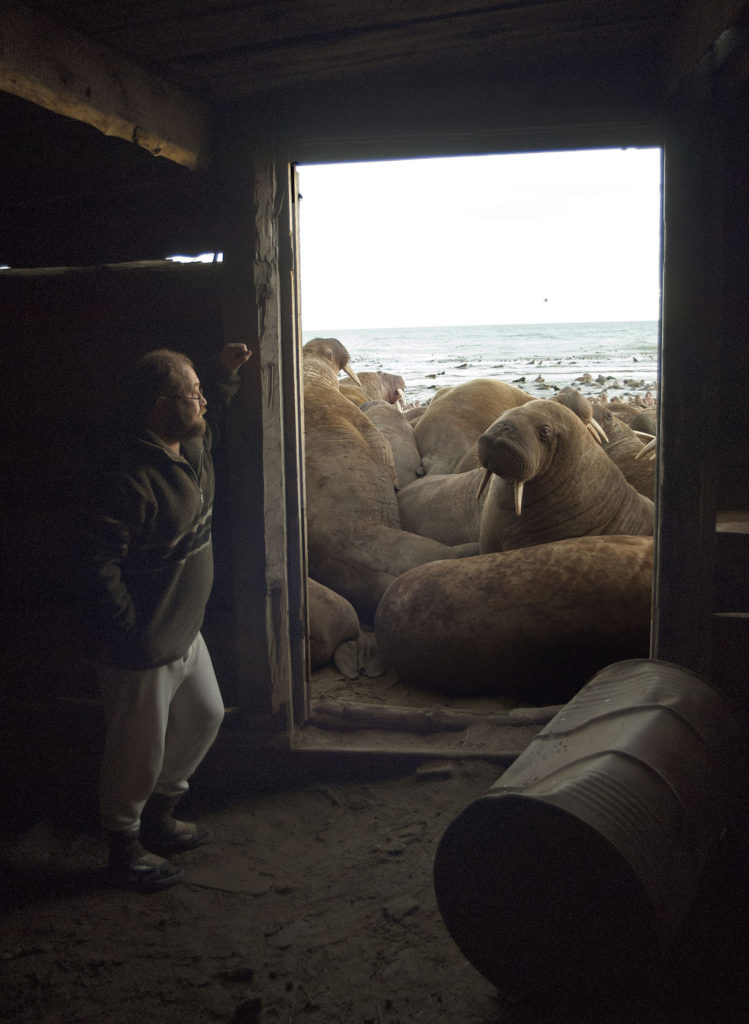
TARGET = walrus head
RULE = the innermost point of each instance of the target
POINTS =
(582, 408)
(326, 357)
(522, 443)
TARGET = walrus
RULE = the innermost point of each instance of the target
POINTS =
(580, 405)
(373, 386)
(448, 506)
(457, 415)
(443, 506)
(393, 424)
(332, 622)
(534, 623)
(355, 544)
(623, 446)
(550, 480)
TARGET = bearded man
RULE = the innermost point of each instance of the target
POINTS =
(148, 568)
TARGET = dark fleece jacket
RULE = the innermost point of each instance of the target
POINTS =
(149, 560)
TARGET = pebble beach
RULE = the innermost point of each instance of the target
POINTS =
(604, 361)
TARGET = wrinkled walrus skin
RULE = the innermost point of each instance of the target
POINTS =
(571, 488)
(535, 623)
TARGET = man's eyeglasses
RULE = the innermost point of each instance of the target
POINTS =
(200, 397)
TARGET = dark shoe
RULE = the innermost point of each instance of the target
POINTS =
(132, 867)
(185, 835)
(163, 834)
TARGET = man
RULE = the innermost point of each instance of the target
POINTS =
(149, 568)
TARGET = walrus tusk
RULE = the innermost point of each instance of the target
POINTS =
(484, 482)
(401, 395)
(347, 369)
(519, 484)
(641, 433)
(645, 449)
(595, 428)
(519, 496)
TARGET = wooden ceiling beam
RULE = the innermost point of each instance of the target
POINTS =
(54, 67)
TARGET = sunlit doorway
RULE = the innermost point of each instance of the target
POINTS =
(542, 270)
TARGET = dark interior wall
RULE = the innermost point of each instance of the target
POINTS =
(732, 444)
(100, 207)
(72, 196)
(82, 205)
(65, 331)
(729, 441)
(66, 338)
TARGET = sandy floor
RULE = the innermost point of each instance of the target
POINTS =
(315, 903)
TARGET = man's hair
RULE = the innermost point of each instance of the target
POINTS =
(155, 374)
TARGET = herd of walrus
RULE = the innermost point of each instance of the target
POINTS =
(490, 542)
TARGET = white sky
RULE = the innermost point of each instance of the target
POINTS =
(528, 238)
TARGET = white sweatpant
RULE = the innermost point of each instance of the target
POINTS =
(161, 723)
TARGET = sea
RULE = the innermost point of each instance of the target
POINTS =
(615, 360)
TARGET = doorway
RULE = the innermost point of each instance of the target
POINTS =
(543, 270)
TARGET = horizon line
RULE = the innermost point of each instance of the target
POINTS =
(514, 323)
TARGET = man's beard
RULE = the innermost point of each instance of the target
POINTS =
(195, 430)
(181, 427)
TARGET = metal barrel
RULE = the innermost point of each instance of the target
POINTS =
(569, 878)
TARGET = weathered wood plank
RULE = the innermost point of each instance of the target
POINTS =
(262, 545)
(293, 417)
(61, 70)
(499, 38)
(332, 714)
(414, 116)
(188, 29)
